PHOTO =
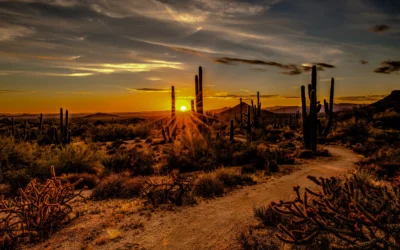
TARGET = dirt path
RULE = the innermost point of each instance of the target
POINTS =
(216, 224)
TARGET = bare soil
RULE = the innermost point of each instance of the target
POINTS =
(213, 224)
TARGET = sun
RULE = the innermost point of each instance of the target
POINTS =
(183, 108)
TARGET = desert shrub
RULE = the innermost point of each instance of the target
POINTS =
(118, 162)
(278, 155)
(248, 169)
(118, 186)
(354, 130)
(288, 135)
(273, 167)
(112, 132)
(346, 209)
(48, 211)
(176, 190)
(87, 180)
(268, 217)
(254, 239)
(357, 113)
(246, 155)
(135, 161)
(80, 158)
(208, 186)
(149, 140)
(230, 178)
(137, 140)
(390, 119)
(306, 154)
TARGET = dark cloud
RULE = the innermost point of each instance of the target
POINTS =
(388, 67)
(361, 98)
(148, 90)
(363, 62)
(379, 28)
(3, 91)
(293, 69)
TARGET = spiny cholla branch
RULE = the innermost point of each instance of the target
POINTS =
(39, 210)
(176, 190)
(359, 213)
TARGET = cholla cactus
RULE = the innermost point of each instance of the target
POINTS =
(359, 214)
(37, 212)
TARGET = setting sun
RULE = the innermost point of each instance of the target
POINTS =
(183, 108)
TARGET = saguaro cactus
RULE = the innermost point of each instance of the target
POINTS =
(232, 131)
(247, 120)
(172, 103)
(66, 126)
(61, 122)
(196, 88)
(201, 111)
(258, 104)
(192, 103)
(12, 127)
(40, 123)
(312, 127)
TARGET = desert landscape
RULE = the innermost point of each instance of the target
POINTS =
(203, 159)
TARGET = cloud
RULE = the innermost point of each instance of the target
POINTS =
(11, 32)
(153, 79)
(189, 51)
(156, 90)
(388, 67)
(226, 95)
(3, 91)
(364, 98)
(380, 28)
(293, 69)
(363, 61)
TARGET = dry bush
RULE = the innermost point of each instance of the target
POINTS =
(113, 132)
(87, 180)
(254, 239)
(118, 186)
(175, 190)
(135, 161)
(81, 158)
(268, 217)
(37, 212)
(357, 211)
(230, 178)
(390, 119)
(306, 154)
(208, 186)
(353, 130)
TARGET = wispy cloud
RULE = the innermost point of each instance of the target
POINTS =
(11, 32)
(379, 28)
(366, 98)
(388, 67)
(3, 91)
(155, 90)
(292, 69)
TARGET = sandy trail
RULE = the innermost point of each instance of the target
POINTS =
(216, 224)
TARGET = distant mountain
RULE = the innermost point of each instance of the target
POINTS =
(390, 101)
(101, 116)
(217, 111)
(236, 110)
(293, 109)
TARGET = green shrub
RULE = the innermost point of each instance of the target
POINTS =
(80, 158)
(208, 186)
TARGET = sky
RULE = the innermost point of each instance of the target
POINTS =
(124, 55)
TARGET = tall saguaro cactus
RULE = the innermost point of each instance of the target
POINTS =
(61, 122)
(232, 132)
(196, 88)
(258, 104)
(312, 127)
(201, 90)
(192, 103)
(172, 103)
(40, 123)
(247, 120)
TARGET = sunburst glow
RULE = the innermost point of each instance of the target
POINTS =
(183, 108)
